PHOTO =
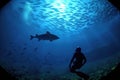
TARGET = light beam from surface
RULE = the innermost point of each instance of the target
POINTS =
(27, 11)
(66, 15)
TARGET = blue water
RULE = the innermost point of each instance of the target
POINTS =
(92, 25)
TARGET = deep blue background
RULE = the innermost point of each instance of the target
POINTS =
(92, 25)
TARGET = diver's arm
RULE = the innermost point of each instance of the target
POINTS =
(84, 59)
(71, 60)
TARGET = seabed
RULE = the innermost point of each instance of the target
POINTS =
(96, 70)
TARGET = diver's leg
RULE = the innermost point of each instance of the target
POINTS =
(83, 75)
(73, 69)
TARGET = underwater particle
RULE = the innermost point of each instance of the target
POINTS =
(24, 48)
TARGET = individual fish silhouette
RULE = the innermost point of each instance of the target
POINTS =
(46, 36)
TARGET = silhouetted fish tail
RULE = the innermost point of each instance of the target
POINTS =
(31, 37)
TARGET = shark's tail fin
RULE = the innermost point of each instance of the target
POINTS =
(31, 37)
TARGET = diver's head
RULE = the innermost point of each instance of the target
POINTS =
(78, 49)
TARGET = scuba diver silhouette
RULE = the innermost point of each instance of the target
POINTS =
(77, 61)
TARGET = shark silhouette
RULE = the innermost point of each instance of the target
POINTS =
(46, 36)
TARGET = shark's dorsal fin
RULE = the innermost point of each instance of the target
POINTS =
(47, 32)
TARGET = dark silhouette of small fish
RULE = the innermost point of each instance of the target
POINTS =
(46, 36)
(24, 48)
